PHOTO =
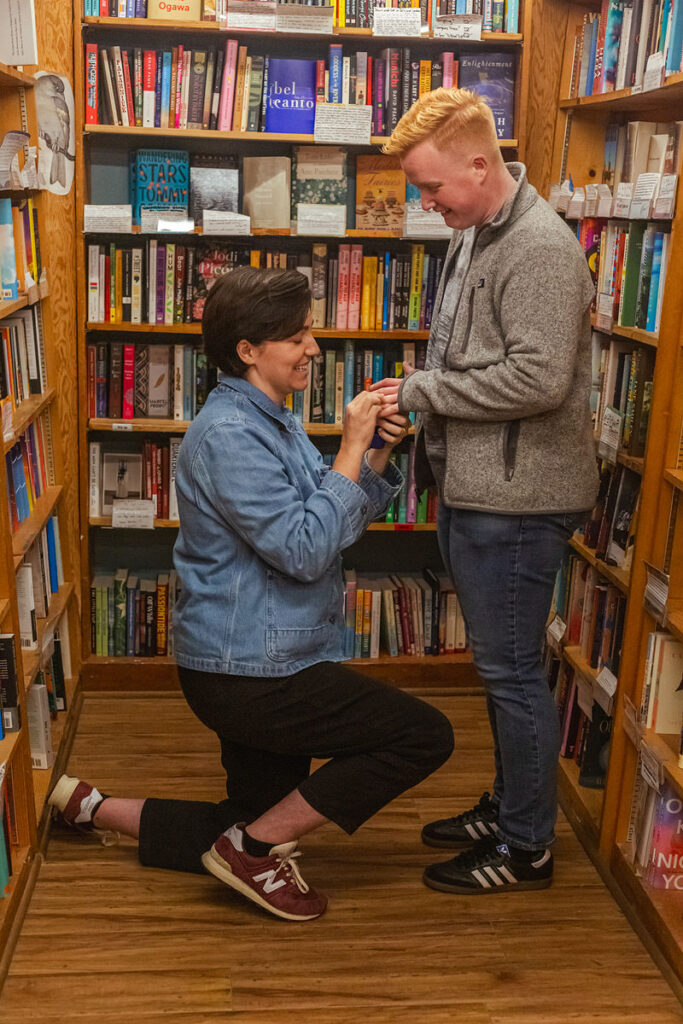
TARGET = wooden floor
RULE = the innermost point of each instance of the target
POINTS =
(106, 941)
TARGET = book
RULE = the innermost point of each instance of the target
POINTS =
(214, 185)
(10, 707)
(380, 193)
(492, 76)
(121, 478)
(9, 283)
(266, 191)
(319, 175)
(159, 182)
(290, 103)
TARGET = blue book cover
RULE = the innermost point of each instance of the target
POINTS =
(512, 16)
(349, 352)
(673, 57)
(298, 405)
(131, 598)
(334, 89)
(160, 180)
(9, 285)
(291, 96)
(165, 85)
(492, 76)
(461, 7)
(590, 71)
(19, 480)
(655, 282)
(130, 8)
(377, 366)
(52, 555)
(610, 55)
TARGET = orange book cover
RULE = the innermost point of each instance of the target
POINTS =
(380, 193)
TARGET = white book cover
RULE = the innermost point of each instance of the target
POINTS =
(668, 702)
(94, 283)
(94, 470)
(136, 289)
(174, 449)
(27, 608)
(152, 281)
(39, 730)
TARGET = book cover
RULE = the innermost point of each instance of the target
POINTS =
(159, 180)
(9, 684)
(291, 96)
(319, 175)
(9, 284)
(214, 185)
(492, 76)
(665, 868)
(380, 193)
(266, 191)
(121, 478)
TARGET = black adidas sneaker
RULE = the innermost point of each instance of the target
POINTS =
(464, 829)
(488, 867)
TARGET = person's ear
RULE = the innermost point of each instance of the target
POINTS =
(245, 350)
(480, 164)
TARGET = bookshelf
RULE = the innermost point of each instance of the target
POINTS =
(50, 305)
(602, 818)
(112, 144)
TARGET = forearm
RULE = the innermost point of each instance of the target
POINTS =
(349, 460)
(378, 459)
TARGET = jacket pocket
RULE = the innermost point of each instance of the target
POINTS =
(302, 618)
(510, 441)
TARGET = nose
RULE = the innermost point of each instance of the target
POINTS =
(427, 201)
(312, 347)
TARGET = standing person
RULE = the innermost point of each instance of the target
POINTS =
(506, 437)
(259, 628)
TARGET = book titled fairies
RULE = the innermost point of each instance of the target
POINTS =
(380, 194)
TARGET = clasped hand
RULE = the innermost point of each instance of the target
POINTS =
(369, 412)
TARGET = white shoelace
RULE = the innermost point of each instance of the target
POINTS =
(287, 861)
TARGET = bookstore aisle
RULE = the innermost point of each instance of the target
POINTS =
(107, 940)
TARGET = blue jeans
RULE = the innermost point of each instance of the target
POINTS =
(503, 568)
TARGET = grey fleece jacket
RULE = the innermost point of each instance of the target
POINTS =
(514, 392)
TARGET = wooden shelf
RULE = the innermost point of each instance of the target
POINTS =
(147, 24)
(23, 538)
(21, 860)
(28, 411)
(274, 233)
(158, 426)
(43, 778)
(320, 332)
(5, 607)
(201, 133)
(675, 478)
(11, 78)
(619, 577)
(8, 746)
(633, 333)
(632, 462)
(173, 524)
(626, 99)
(674, 618)
(31, 659)
(659, 911)
(9, 306)
(665, 748)
(577, 659)
(586, 804)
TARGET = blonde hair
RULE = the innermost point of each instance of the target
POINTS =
(443, 116)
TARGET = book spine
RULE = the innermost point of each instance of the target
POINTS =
(149, 78)
(91, 83)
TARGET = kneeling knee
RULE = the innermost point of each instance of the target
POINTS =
(440, 738)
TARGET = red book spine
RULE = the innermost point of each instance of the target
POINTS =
(91, 80)
(343, 287)
(165, 473)
(128, 87)
(320, 81)
(128, 398)
(354, 287)
(91, 373)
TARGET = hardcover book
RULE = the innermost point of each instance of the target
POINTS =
(319, 175)
(159, 180)
(290, 103)
(214, 185)
(380, 193)
(492, 76)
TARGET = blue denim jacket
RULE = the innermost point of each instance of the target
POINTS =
(262, 525)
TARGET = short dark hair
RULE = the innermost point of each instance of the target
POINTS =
(258, 305)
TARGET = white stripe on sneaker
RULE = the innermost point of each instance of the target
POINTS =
(493, 875)
(483, 828)
(483, 882)
(506, 873)
(471, 830)
(539, 863)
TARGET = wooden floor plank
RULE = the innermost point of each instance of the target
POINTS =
(106, 940)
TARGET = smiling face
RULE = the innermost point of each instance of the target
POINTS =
(279, 367)
(451, 181)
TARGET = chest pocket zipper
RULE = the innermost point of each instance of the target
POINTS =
(470, 314)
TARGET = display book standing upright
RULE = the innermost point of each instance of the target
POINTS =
(378, 332)
(619, 649)
(38, 619)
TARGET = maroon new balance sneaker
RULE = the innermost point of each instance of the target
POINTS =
(274, 882)
(75, 803)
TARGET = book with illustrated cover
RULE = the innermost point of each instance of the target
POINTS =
(319, 175)
(380, 193)
(492, 76)
(159, 180)
(214, 185)
(665, 869)
(212, 261)
(290, 103)
(9, 284)
(121, 478)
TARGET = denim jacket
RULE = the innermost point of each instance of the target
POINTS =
(262, 525)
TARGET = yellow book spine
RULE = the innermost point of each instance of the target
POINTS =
(342, 14)
(359, 612)
(289, 401)
(425, 80)
(33, 269)
(365, 307)
(255, 258)
(118, 282)
(417, 266)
